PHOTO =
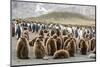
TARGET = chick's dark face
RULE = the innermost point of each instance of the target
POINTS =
(38, 40)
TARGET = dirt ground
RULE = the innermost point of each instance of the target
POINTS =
(32, 60)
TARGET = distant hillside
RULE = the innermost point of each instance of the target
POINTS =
(56, 16)
(63, 15)
(63, 18)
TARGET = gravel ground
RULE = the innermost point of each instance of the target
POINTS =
(32, 60)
